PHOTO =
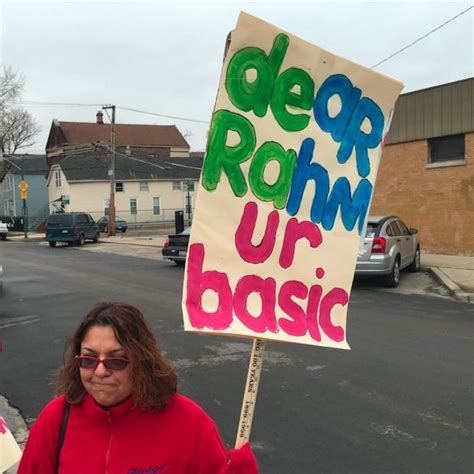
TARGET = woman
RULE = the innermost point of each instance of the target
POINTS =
(118, 410)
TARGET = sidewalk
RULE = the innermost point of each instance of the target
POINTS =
(455, 272)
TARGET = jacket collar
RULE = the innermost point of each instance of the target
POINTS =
(93, 408)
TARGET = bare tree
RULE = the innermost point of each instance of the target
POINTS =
(17, 126)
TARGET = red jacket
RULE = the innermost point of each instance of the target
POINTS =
(181, 439)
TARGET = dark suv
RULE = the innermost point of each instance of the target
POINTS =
(72, 228)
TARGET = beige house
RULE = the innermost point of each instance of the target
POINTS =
(147, 190)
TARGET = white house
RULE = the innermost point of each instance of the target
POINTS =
(146, 189)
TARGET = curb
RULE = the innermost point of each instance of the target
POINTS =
(454, 289)
(135, 244)
(28, 239)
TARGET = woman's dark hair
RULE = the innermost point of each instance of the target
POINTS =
(154, 379)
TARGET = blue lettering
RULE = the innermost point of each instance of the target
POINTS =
(305, 170)
(351, 207)
(324, 209)
(346, 126)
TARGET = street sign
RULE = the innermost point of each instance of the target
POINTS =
(23, 194)
(23, 186)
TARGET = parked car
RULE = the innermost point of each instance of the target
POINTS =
(388, 247)
(3, 231)
(72, 228)
(120, 224)
(175, 247)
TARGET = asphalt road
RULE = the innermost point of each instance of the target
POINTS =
(399, 402)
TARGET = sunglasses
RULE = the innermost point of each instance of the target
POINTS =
(110, 363)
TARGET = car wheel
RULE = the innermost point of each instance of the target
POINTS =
(97, 237)
(393, 279)
(180, 263)
(52, 244)
(81, 240)
(106, 229)
(124, 230)
(4, 236)
(416, 264)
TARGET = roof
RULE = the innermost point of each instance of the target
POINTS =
(28, 164)
(125, 134)
(96, 167)
(446, 109)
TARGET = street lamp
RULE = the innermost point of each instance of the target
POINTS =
(23, 188)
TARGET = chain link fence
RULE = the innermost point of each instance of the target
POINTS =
(148, 217)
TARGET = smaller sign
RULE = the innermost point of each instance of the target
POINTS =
(23, 194)
(9, 449)
(23, 185)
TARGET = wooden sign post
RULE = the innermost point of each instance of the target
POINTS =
(250, 393)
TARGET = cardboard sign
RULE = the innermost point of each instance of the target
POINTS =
(10, 452)
(287, 179)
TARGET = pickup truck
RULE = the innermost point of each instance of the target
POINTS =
(3, 231)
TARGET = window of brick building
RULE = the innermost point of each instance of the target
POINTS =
(446, 150)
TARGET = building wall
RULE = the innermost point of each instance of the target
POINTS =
(91, 196)
(37, 201)
(438, 201)
(37, 195)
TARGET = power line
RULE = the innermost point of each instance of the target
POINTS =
(163, 115)
(423, 37)
(75, 104)
(39, 102)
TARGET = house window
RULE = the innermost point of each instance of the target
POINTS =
(143, 185)
(119, 187)
(156, 206)
(133, 206)
(57, 176)
(176, 185)
(446, 149)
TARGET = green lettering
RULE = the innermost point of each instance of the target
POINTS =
(278, 191)
(255, 95)
(284, 96)
(221, 156)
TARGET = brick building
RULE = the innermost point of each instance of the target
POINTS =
(426, 175)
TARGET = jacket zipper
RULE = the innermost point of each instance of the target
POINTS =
(107, 454)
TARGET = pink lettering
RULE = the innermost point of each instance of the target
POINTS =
(243, 237)
(3, 426)
(297, 325)
(331, 299)
(266, 289)
(312, 312)
(197, 283)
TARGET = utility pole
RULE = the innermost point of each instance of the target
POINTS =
(111, 220)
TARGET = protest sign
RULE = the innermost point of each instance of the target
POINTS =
(286, 184)
(10, 452)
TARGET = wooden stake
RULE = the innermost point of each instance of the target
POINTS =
(250, 394)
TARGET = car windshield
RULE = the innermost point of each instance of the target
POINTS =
(60, 219)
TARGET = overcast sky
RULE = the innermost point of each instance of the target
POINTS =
(165, 56)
